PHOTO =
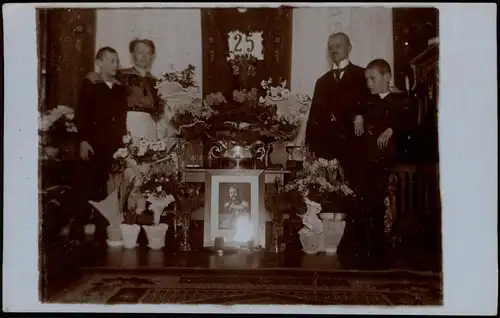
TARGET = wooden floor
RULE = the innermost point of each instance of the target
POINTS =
(98, 256)
(91, 256)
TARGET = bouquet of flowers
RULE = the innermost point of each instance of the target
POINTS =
(159, 189)
(56, 127)
(186, 111)
(322, 181)
(279, 200)
(243, 65)
(142, 152)
(185, 78)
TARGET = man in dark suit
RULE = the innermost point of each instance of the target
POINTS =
(337, 105)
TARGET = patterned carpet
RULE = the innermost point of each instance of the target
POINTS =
(259, 287)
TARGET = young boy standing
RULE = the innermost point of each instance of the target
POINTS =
(387, 114)
(101, 122)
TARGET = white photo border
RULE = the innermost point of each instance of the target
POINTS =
(213, 179)
(468, 165)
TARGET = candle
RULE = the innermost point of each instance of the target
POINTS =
(219, 243)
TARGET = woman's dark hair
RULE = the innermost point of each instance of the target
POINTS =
(100, 54)
(149, 43)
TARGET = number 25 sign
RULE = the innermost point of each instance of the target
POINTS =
(243, 43)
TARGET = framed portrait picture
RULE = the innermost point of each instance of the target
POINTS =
(234, 209)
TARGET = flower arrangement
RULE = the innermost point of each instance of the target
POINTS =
(140, 151)
(274, 93)
(185, 78)
(159, 189)
(242, 65)
(48, 120)
(244, 117)
(280, 200)
(322, 181)
(54, 128)
(186, 111)
(160, 185)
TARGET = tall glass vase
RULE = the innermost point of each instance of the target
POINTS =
(192, 154)
(277, 233)
(185, 244)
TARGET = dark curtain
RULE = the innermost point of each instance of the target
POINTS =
(412, 29)
(67, 52)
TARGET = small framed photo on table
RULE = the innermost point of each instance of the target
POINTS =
(234, 207)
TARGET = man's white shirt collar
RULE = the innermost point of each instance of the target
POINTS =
(341, 65)
(383, 95)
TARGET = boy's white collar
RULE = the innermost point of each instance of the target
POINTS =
(383, 95)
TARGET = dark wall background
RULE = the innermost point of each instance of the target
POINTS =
(66, 40)
(277, 45)
(412, 28)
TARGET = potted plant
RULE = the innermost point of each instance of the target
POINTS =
(135, 162)
(110, 210)
(157, 188)
(321, 184)
(129, 229)
(279, 202)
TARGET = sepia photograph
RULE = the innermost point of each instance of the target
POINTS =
(234, 204)
(355, 88)
(308, 133)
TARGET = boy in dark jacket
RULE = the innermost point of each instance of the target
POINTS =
(385, 116)
(101, 122)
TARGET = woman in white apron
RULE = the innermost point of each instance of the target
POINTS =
(144, 107)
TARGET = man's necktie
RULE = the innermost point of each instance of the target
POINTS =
(337, 73)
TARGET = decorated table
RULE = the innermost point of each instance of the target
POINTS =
(199, 175)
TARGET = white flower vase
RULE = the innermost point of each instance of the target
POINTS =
(158, 205)
(311, 235)
(130, 233)
(114, 236)
(312, 243)
(333, 229)
(156, 235)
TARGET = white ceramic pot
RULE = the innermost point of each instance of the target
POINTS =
(333, 230)
(130, 233)
(156, 235)
(312, 243)
(311, 235)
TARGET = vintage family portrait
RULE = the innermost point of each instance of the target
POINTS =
(240, 155)
(234, 204)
